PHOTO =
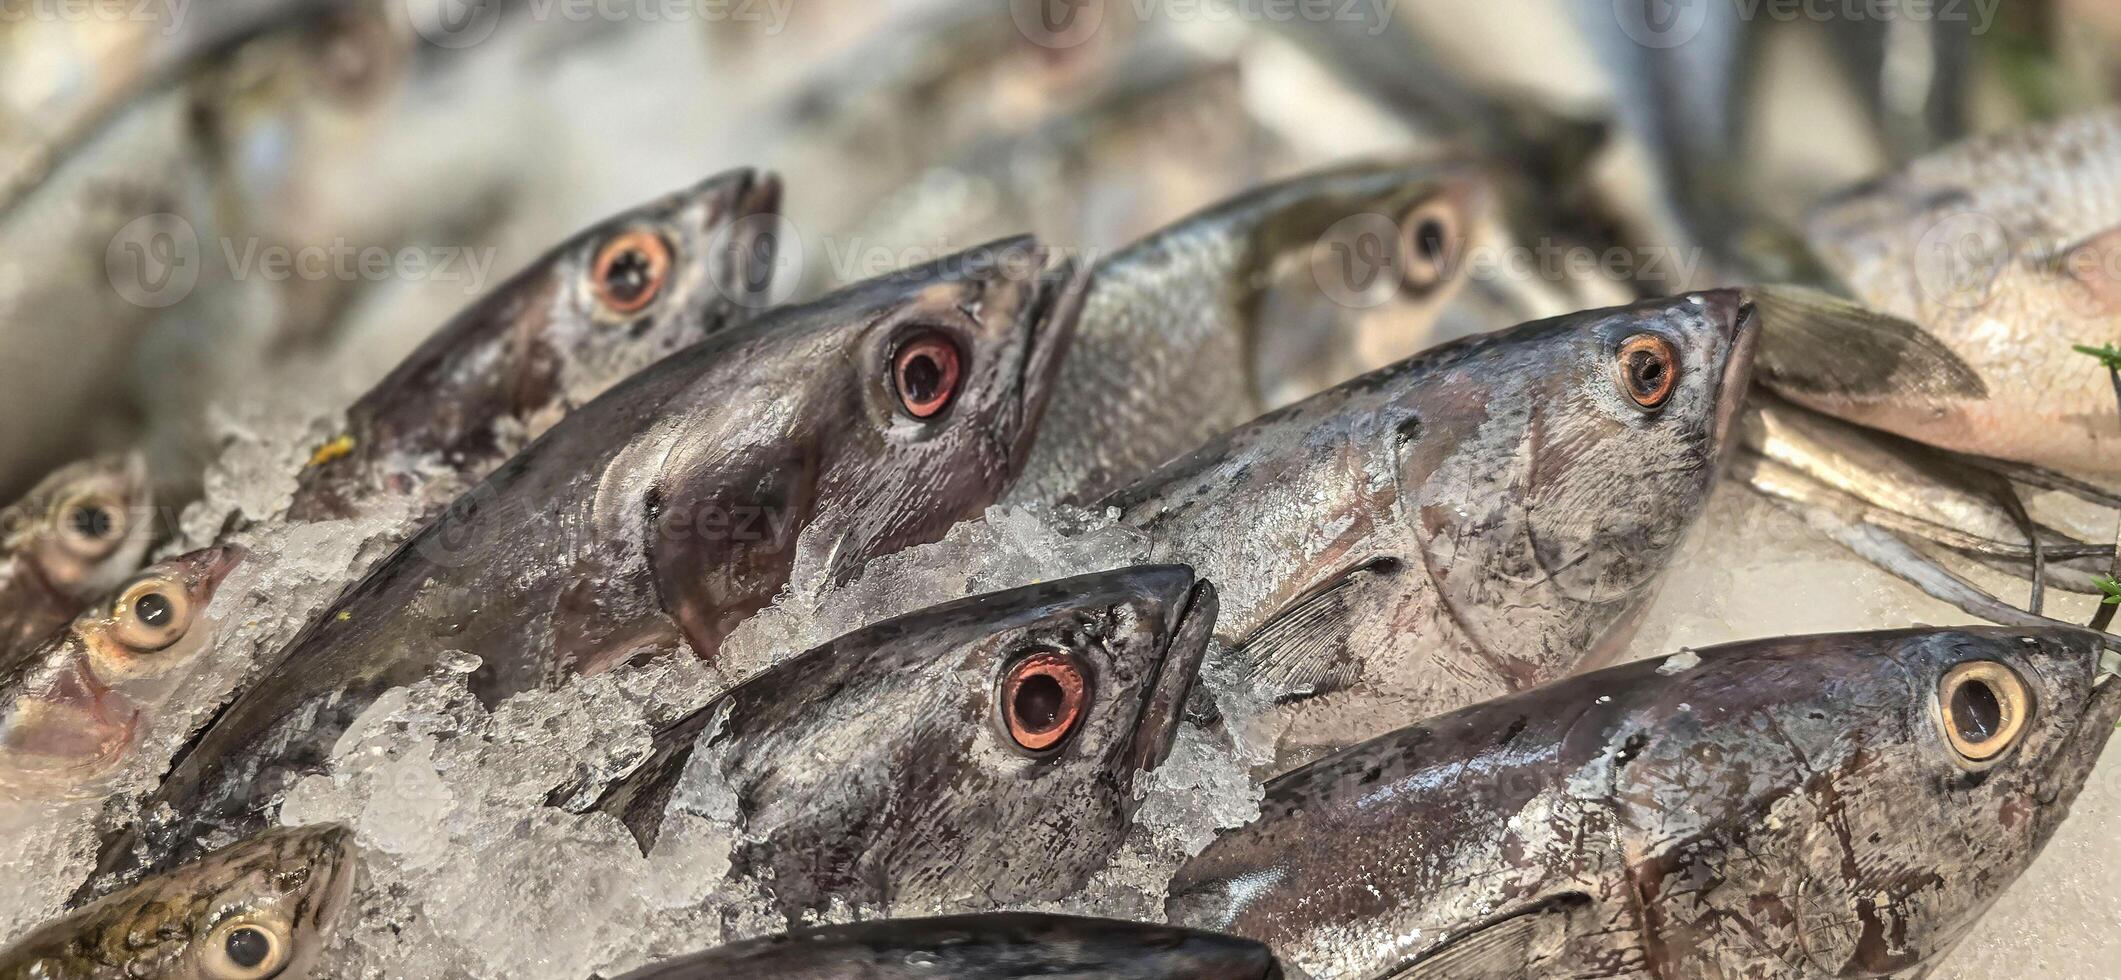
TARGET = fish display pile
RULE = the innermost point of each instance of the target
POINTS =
(973, 489)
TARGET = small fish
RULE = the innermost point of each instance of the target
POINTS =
(261, 908)
(600, 306)
(1270, 296)
(72, 708)
(662, 514)
(1824, 806)
(983, 750)
(1476, 520)
(998, 946)
(74, 536)
(2006, 250)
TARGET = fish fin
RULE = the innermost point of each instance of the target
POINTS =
(640, 799)
(1815, 343)
(1302, 651)
(1519, 947)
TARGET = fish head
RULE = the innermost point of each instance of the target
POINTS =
(1607, 431)
(942, 373)
(1002, 734)
(1856, 801)
(86, 526)
(260, 908)
(642, 284)
(159, 620)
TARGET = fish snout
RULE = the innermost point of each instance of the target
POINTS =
(1192, 611)
(1733, 313)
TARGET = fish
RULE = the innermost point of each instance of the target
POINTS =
(998, 740)
(996, 946)
(1276, 293)
(2006, 249)
(599, 306)
(1838, 805)
(1475, 520)
(262, 907)
(76, 534)
(73, 707)
(663, 513)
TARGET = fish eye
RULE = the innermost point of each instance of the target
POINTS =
(925, 373)
(247, 949)
(151, 614)
(1426, 237)
(91, 525)
(1647, 369)
(1044, 697)
(630, 271)
(1983, 707)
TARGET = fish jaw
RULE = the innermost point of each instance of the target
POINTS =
(737, 223)
(1742, 332)
(1048, 324)
(1164, 702)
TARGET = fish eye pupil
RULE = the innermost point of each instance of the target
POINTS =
(1429, 239)
(154, 609)
(248, 947)
(1038, 703)
(627, 276)
(1976, 711)
(922, 377)
(93, 522)
(1648, 372)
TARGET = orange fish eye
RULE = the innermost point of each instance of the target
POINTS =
(1648, 369)
(925, 372)
(630, 271)
(1043, 699)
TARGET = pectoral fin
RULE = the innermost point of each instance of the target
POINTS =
(1520, 947)
(1819, 345)
(640, 799)
(1303, 651)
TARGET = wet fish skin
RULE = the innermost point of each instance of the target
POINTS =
(2007, 249)
(73, 706)
(880, 768)
(1196, 327)
(663, 513)
(1773, 808)
(1469, 522)
(76, 534)
(289, 884)
(545, 342)
(998, 946)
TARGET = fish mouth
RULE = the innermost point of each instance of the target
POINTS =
(2086, 741)
(1179, 665)
(1742, 333)
(1047, 327)
(743, 206)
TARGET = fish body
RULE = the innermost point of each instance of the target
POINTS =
(1476, 520)
(1827, 806)
(975, 754)
(1274, 294)
(599, 307)
(76, 534)
(2007, 250)
(998, 946)
(71, 708)
(259, 908)
(666, 511)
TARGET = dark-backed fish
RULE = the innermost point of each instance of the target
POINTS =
(613, 299)
(258, 909)
(665, 512)
(1277, 293)
(975, 754)
(1473, 521)
(74, 536)
(1825, 806)
(73, 707)
(2006, 249)
(999, 946)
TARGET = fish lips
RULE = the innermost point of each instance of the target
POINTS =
(740, 225)
(1047, 325)
(1741, 326)
(1164, 703)
(2087, 739)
